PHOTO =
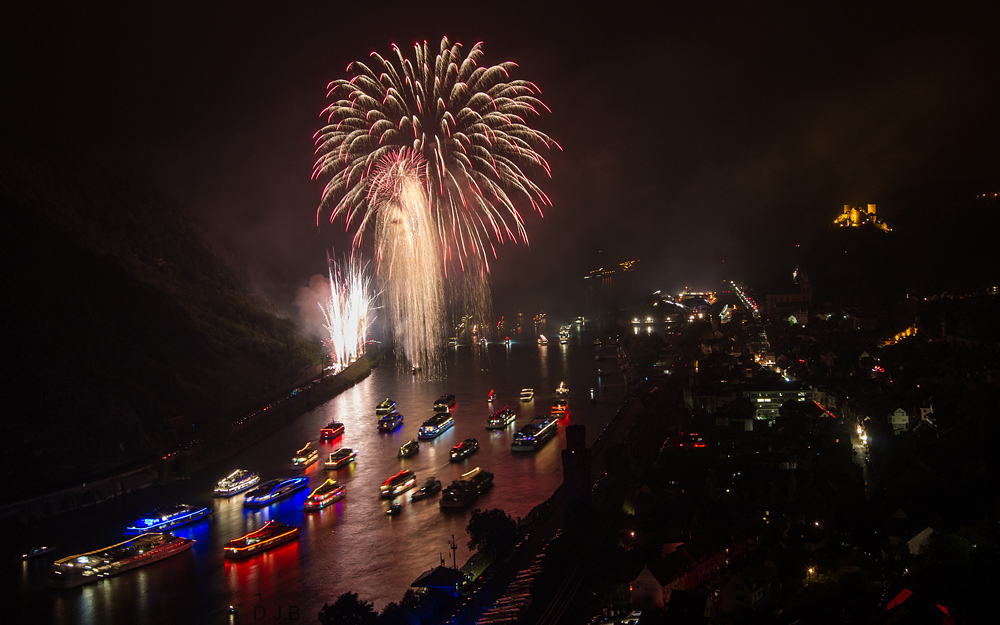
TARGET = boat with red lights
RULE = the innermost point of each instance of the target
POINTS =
(129, 554)
(398, 484)
(500, 419)
(464, 449)
(274, 533)
(332, 430)
(327, 493)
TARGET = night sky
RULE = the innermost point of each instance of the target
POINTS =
(702, 138)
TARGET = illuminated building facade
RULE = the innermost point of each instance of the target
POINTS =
(857, 216)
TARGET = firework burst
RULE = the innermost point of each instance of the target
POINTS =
(348, 312)
(467, 121)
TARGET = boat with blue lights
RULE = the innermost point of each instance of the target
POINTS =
(533, 435)
(390, 422)
(163, 519)
(332, 430)
(340, 458)
(305, 457)
(463, 492)
(273, 533)
(386, 407)
(398, 484)
(435, 426)
(273, 490)
(129, 554)
(327, 493)
(500, 419)
(236, 482)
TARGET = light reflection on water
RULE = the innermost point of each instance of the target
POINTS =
(351, 545)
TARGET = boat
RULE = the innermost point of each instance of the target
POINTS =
(500, 419)
(533, 435)
(542, 340)
(435, 426)
(236, 482)
(464, 449)
(491, 396)
(132, 553)
(273, 533)
(387, 406)
(332, 430)
(304, 457)
(398, 484)
(394, 509)
(431, 487)
(390, 422)
(340, 458)
(444, 403)
(409, 448)
(273, 490)
(162, 519)
(527, 394)
(325, 494)
(562, 390)
(37, 552)
(464, 491)
(560, 407)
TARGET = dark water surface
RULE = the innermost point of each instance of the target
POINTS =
(351, 545)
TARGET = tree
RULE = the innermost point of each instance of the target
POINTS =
(348, 609)
(491, 531)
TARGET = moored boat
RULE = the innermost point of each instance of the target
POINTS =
(332, 430)
(325, 494)
(126, 555)
(273, 533)
(305, 457)
(340, 458)
(500, 419)
(533, 435)
(463, 492)
(273, 490)
(398, 484)
(435, 426)
(464, 449)
(409, 448)
(168, 517)
(236, 482)
(390, 422)
(430, 487)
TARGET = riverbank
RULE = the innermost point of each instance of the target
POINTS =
(181, 464)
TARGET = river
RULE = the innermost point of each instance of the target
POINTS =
(351, 545)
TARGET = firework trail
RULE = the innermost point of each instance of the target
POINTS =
(459, 130)
(348, 313)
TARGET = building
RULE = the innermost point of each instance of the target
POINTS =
(857, 216)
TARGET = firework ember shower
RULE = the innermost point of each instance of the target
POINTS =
(348, 313)
(431, 157)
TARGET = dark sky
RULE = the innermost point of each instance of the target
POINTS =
(703, 138)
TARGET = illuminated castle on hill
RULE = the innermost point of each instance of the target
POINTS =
(857, 216)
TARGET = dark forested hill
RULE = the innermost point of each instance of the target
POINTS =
(117, 317)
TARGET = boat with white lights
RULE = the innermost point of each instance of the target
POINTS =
(327, 493)
(390, 422)
(409, 448)
(332, 430)
(500, 419)
(387, 406)
(162, 519)
(464, 491)
(38, 552)
(236, 482)
(562, 390)
(527, 394)
(305, 456)
(273, 533)
(273, 490)
(435, 426)
(533, 435)
(124, 556)
(340, 458)
(542, 340)
(491, 396)
(444, 403)
(464, 449)
(398, 484)
(560, 407)
(431, 487)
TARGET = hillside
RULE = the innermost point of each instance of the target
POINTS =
(124, 331)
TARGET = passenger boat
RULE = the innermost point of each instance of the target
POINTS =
(394, 509)
(273, 533)
(435, 426)
(390, 422)
(236, 482)
(527, 394)
(304, 457)
(398, 484)
(37, 552)
(463, 492)
(325, 494)
(340, 458)
(464, 449)
(542, 340)
(162, 519)
(500, 419)
(387, 406)
(273, 490)
(444, 403)
(560, 407)
(430, 487)
(491, 396)
(562, 390)
(409, 448)
(332, 430)
(132, 553)
(533, 435)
